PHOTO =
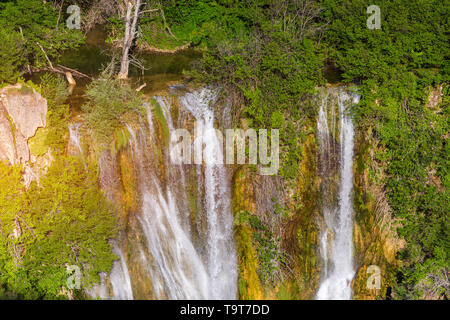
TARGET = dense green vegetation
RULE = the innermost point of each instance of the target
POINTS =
(270, 256)
(54, 89)
(61, 222)
(267, 56)
(30, 31)
(398, 67)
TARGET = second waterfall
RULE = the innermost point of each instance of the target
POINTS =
(336, 143)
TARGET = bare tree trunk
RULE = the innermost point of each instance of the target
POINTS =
(130, 35)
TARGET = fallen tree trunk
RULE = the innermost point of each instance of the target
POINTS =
(62, 70)
(75, 73)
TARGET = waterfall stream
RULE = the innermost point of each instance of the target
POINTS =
(336, 169)
(180, 264)
(120, 277)
(221, 255)
(178, 271)
(74, 136)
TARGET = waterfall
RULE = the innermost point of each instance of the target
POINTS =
(180, 260)
(221, 253)
(177, 272)
(120, 277)
(74, 136)
(336, 169)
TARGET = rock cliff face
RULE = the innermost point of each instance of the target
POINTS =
(7, 148)
(276, 222)
(22, 112)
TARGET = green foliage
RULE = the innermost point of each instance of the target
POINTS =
(109, 102)
(206, 22)
(412, 37)
(152, 33)
(427, 280)
(54, 89)
(271, 62)
(270, 256)
(11, 55)
(27, 26)
(62, 222)
(201, 23)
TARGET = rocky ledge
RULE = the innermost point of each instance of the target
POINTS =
(22, 112)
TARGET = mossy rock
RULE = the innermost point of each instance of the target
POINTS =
(249, 285)
(37, 144)
(121, 139)
(243, 197)
(159, 115)
(129, 196)
(375, 245)
(302, 235)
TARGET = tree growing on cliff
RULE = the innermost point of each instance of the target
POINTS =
(11, 55)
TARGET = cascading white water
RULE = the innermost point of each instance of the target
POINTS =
(120, 277)
(337, 238)
(221, 253)
(177, 272)
(177, 267)
(74, 136)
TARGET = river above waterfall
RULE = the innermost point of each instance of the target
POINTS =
(160, 69)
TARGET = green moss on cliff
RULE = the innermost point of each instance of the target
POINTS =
(64, 221)
(38, 144)
(375, 242)
(164, 128)
(129, 194)
(301, 239)
(249, 285)
(296, 254)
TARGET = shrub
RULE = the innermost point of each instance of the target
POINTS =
(109, 101)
